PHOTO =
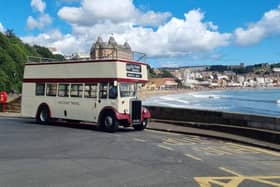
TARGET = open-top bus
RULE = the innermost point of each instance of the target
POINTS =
(100, 90)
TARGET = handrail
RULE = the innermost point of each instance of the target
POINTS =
(36, 59)
(136, 56)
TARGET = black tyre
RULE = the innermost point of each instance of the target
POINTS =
(141, 126)
(43, 115)
(109, 122)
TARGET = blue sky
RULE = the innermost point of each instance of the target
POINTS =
(172, 33)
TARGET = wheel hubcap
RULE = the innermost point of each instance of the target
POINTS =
(108, 121)
(43, 116)
(145, 123)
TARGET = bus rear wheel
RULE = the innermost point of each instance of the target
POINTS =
(141, 126)
(43, 116)
(109, 122)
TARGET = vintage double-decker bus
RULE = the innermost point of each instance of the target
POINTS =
(92, 90)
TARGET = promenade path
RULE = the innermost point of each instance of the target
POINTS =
(80, 155)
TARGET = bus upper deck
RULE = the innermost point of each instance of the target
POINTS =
(86, 70)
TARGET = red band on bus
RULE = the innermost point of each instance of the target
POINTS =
(82, 80)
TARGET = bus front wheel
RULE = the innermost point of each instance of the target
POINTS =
(110, 122)
(141, 126)
(43, 116)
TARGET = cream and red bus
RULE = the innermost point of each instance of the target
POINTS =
(100, 91)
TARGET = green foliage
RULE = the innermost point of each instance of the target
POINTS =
(13, 55)
(165, 74)
(219, 68)
(259, 69)
(277, 65)
(151, 73)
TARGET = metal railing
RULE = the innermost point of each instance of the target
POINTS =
(36, 59)
(107, 54)
(10, 107)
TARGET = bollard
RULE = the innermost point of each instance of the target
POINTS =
(3, 101)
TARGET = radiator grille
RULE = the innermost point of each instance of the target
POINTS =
(136, 106)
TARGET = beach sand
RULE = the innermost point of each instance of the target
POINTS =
(144, 94)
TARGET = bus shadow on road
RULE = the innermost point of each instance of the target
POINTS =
(85, 126)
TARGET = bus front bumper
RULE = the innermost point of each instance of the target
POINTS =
(126, 117)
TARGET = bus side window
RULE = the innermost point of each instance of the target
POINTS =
(63, 90)
(51, 89)
(90, 90)
(76, 90)
(40, 89)
(113, 91)
(103, 87)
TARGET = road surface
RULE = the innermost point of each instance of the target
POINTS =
(81, 155)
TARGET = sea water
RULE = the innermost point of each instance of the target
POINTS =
(250, 101)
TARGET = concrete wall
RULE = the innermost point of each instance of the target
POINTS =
(207, 116)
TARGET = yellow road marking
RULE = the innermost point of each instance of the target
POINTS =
(220, 181)
(216, 151)
(161, 132)
(260, 150)
(193, 157)
(236, 150)
(211, 151)
(236, 180)
(181, 141)
(139, 140)
(229, 171)
(165, 147)
(172, 141)
(261, 180)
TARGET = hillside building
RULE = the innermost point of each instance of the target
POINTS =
(110, 50)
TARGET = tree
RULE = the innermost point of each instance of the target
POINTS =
(165, 73)
(13, 55)
(151, 73)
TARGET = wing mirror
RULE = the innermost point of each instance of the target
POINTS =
(115, 83)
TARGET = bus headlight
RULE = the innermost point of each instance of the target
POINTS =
(145, 110)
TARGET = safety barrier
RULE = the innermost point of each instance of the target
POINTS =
(208, 116)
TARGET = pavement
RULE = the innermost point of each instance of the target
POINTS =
(10, 114)
(192, 129)
(62, 154)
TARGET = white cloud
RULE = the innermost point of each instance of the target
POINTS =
(98, 11)
(268, 25)
(2, 28)
(152, 18)
(38, 5)
(175, 37)
(54, 38)
(68, 1)
(42, 21)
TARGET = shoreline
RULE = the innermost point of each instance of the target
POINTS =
(145, 94)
